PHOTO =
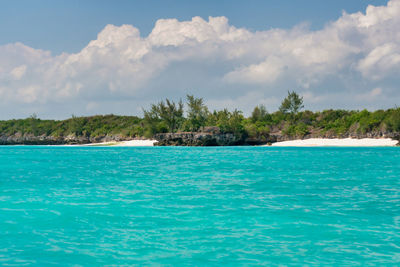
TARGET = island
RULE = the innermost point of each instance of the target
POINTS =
(170, 123)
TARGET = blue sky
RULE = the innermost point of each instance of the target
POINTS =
(68, 25)
(59, 58)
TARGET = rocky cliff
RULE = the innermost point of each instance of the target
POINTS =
(197, 139)
(30, 139)
(214, 137)
(210, 136)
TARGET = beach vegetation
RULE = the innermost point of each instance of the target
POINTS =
(292, 104)
(164, 116)
(289, 121)
(260, 114)
(196, 115)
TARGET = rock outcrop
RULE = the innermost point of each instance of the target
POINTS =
(30, 139)
(209, 136)
(197, 139)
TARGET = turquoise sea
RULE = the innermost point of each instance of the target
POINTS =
(230, 206)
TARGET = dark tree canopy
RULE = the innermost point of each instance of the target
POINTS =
(259, 113)
(197, 113)
(168, 112)
(292, 104)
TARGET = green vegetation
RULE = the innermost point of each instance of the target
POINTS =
(169, 116)
(292, 104)
(94, 126)
(197, 114)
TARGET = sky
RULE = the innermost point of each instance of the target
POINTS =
(59, 58)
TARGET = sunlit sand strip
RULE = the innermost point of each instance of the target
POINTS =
(125, 143)
(351, 142)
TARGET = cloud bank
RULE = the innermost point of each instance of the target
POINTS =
(353, 62)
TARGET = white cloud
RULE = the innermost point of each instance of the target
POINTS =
(18, 72)
(381, 61)
(121, 67)
(370, 96)
(265, 72)
(172, 32)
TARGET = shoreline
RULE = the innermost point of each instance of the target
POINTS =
(311, 142)
(338, 142)
(130, 143)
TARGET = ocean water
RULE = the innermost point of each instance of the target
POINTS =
(231, 206)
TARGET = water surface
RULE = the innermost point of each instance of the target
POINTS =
(199, 206)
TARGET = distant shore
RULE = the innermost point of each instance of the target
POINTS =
(217, 128)
(312, 142)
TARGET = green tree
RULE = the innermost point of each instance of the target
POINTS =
(292, 104)
(228, 122)
(171, 113)
(394, 119)
(197, 113)
(168, 112)
(151, 120)
(76, 125)
(34, 124)
(260, 113)
(236, 122)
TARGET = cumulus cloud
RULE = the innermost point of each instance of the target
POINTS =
(351, 56)
(371, 95)
(18, 72)
(381, 61)
(265, 72)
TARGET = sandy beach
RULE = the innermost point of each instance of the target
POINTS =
(131, 143)
(312, 142)
(346, 142)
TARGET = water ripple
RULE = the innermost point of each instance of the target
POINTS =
(199, 206)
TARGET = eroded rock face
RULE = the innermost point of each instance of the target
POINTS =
(197, 139)
(30, 139)
(210, 136)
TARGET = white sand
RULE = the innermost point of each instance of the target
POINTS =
(338, 142)
(126, 143)
(137, 143)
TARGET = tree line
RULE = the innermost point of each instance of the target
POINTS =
(169, 116)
